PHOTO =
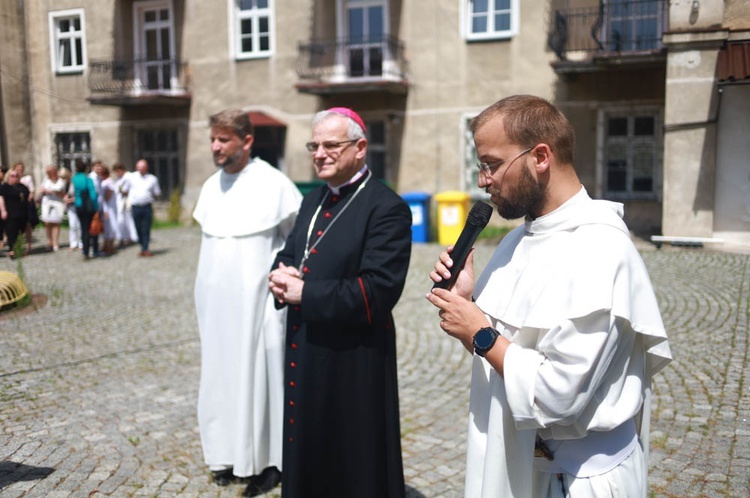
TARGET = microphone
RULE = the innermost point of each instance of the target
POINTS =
(477, 219)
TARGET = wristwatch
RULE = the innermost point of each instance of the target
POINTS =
(484, 339)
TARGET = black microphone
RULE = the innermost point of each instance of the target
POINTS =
(477, 219)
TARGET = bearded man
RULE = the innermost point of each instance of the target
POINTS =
(246, 210)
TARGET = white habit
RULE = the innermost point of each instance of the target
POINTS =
(245, 218)
(571, 293)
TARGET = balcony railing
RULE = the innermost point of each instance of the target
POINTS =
(136, 81)
(616, 27)
(351, 62)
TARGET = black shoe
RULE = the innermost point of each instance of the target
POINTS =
(222, 477)
(265, 482)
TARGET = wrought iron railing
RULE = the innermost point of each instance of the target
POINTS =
(351, 59)
(131, 77)
(614, 27)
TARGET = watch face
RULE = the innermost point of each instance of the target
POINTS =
(484, 339)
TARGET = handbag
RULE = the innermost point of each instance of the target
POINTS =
(96, 226)
(52, 210)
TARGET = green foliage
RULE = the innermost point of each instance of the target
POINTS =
(174, 211)
(19, 249)
(493, 233)
(159, 224)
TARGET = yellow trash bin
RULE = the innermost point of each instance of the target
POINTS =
(452, 209)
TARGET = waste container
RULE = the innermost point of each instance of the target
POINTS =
(452, 209)
(419, 203)
(306, 187)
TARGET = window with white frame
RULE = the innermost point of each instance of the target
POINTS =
(253, 28)
(491, 19)
(67, 40)
(631, 153)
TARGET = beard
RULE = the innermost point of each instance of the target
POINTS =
(229, 161)
(524, 199)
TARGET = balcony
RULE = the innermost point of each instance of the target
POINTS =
(615, 34)
(136, 82)
(374, 64)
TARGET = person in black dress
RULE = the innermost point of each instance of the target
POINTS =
(16, 198)
(341, 273)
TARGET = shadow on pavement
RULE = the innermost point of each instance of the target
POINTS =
(11, 472)
(413, 493)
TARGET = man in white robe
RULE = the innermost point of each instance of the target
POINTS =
(565, 326)
(246, 210)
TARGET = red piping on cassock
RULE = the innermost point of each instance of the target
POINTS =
(367, 304)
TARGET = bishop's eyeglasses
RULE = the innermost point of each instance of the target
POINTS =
(328, 146)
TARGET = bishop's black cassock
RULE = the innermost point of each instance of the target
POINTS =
(341, 427)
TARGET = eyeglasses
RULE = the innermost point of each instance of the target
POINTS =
(490, 168)
(328, 146)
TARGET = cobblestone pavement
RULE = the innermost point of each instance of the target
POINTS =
(98, 387)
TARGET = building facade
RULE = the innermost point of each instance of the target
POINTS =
(118, 80)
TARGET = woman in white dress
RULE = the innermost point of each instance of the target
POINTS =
(109, 211)
(53, 206)
(125, 223)
(74, 224)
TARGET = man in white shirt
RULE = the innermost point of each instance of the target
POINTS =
(143, 190)
(246, 210)
(566, 330)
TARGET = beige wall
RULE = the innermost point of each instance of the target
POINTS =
(732, 212)
(450, 80)
(267, 85)
(690, 140)
(14, 84)
(453, 79)
(692, 115)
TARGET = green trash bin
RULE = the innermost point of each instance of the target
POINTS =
(307, 187)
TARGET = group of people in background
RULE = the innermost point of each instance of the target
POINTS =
(99, 205)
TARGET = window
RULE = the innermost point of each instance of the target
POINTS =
(155, 66)
(491, 19)
(67, 41)
(70, 147)
(631, 153)
(253, 28)
(161, 149)
(634, 25)
(367, 35)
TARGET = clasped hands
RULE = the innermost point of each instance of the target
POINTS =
(286, 284)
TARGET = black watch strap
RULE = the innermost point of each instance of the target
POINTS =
(484, 339)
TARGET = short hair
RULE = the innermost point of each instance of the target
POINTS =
(235, 119)
(80, 166)
(118, 166)
(355, 132)
(530, 120)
